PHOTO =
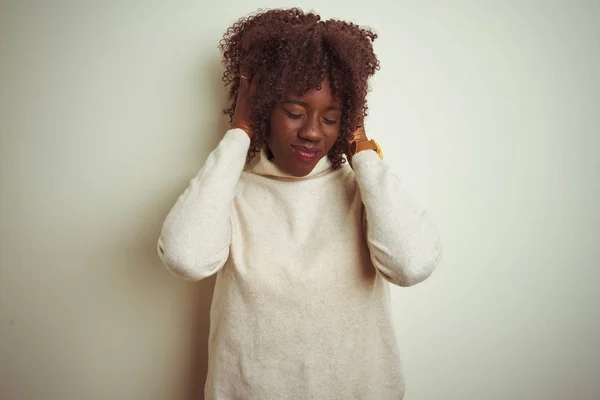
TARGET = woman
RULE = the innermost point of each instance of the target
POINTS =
(302, 243)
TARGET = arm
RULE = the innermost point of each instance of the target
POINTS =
(403, 242)
(196, 235)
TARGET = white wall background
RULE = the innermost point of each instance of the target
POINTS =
(489, 110)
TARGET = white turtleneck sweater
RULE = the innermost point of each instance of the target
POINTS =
(301, 307)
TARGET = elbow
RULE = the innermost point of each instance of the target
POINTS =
(185, 265)
(409, 271)
(414, 276)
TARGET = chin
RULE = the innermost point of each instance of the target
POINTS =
(301, 173)
(298, 169)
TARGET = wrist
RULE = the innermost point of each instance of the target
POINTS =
(242, 126)
(362, 145)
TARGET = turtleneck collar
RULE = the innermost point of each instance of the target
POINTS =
(261, 165)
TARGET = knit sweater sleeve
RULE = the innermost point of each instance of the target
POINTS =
(402, 240)
(196, 234)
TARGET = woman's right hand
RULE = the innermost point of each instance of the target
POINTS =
(242, 115)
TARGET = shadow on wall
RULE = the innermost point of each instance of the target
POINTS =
(210, 75)
(213, 72)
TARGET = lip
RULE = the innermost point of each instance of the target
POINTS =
(306, 153)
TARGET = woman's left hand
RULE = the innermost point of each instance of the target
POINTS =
(359, 134)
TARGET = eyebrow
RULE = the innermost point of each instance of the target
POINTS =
(303, 104)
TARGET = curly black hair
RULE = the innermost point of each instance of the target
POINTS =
(293, 51)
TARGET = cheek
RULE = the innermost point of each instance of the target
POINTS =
(277, 132)
(282, 127)
(332, 136)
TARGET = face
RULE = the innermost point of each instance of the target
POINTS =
(302, 130)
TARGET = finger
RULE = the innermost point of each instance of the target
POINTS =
(244, 77)
(358, 134)
(243, 89)
(253, 85)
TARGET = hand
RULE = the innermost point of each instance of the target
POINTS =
(359, 134)
(242, 115)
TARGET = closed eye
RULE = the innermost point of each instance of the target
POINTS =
(293, 115)
(329, 121)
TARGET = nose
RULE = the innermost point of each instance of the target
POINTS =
(311, 130)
